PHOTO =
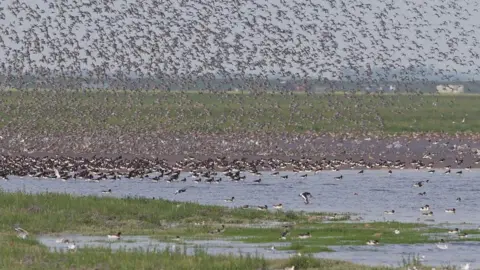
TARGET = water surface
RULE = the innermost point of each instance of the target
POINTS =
(145, 243)
(376, 191)
(458, 253)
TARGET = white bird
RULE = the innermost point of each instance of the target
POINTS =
(114, 236)
(71, 246)
(466, 266)
(425, 208)
(442, 245)
(397, 232)
(372, 242)
(180, 191)
(305, 196)
(62, 240)
(304, 235)
(230, 200)
(456, 230)
(21, 233)
(57, 174)
(452, 210)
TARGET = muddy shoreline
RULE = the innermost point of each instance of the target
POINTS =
(429, 148)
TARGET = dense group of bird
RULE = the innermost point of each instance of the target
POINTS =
(65, 52)
(205, 39)
(102, 168)
(59, 55)
(212, 171)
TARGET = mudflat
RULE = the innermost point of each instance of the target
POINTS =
(437, 129)
(462, 150)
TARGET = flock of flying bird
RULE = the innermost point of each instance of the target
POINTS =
(60, 45)
(65, 45)
(206, 39)
(123, 44)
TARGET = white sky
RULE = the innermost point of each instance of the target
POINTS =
(447, 30)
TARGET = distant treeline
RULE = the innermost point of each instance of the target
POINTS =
(254, 83)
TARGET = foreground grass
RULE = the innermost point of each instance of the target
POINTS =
(28, 254)
(57, 213)
(45, 111)
(53, 213)
(50, 213)
(21, 254)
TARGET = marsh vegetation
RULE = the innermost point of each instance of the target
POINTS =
(50, 213)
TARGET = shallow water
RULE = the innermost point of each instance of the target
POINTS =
(458, 253)
(146, 243)
(377, 191)
(391, 255)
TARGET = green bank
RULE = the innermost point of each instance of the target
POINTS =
(137, 111)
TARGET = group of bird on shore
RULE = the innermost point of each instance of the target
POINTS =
(201, 170)
(210, 171)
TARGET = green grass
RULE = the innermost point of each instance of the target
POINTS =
(60, 213)
(308, 262)
(334, 234)
(305, 249)
(338, 234)
(28, 254)
(53, 112)
(21, 254)
(51, 213)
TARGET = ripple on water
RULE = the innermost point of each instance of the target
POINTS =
(368, 194)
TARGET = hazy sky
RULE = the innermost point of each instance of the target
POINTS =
(430, 34)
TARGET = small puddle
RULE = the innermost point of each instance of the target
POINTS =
(232, 247)
(145, 243)
(126, 242)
